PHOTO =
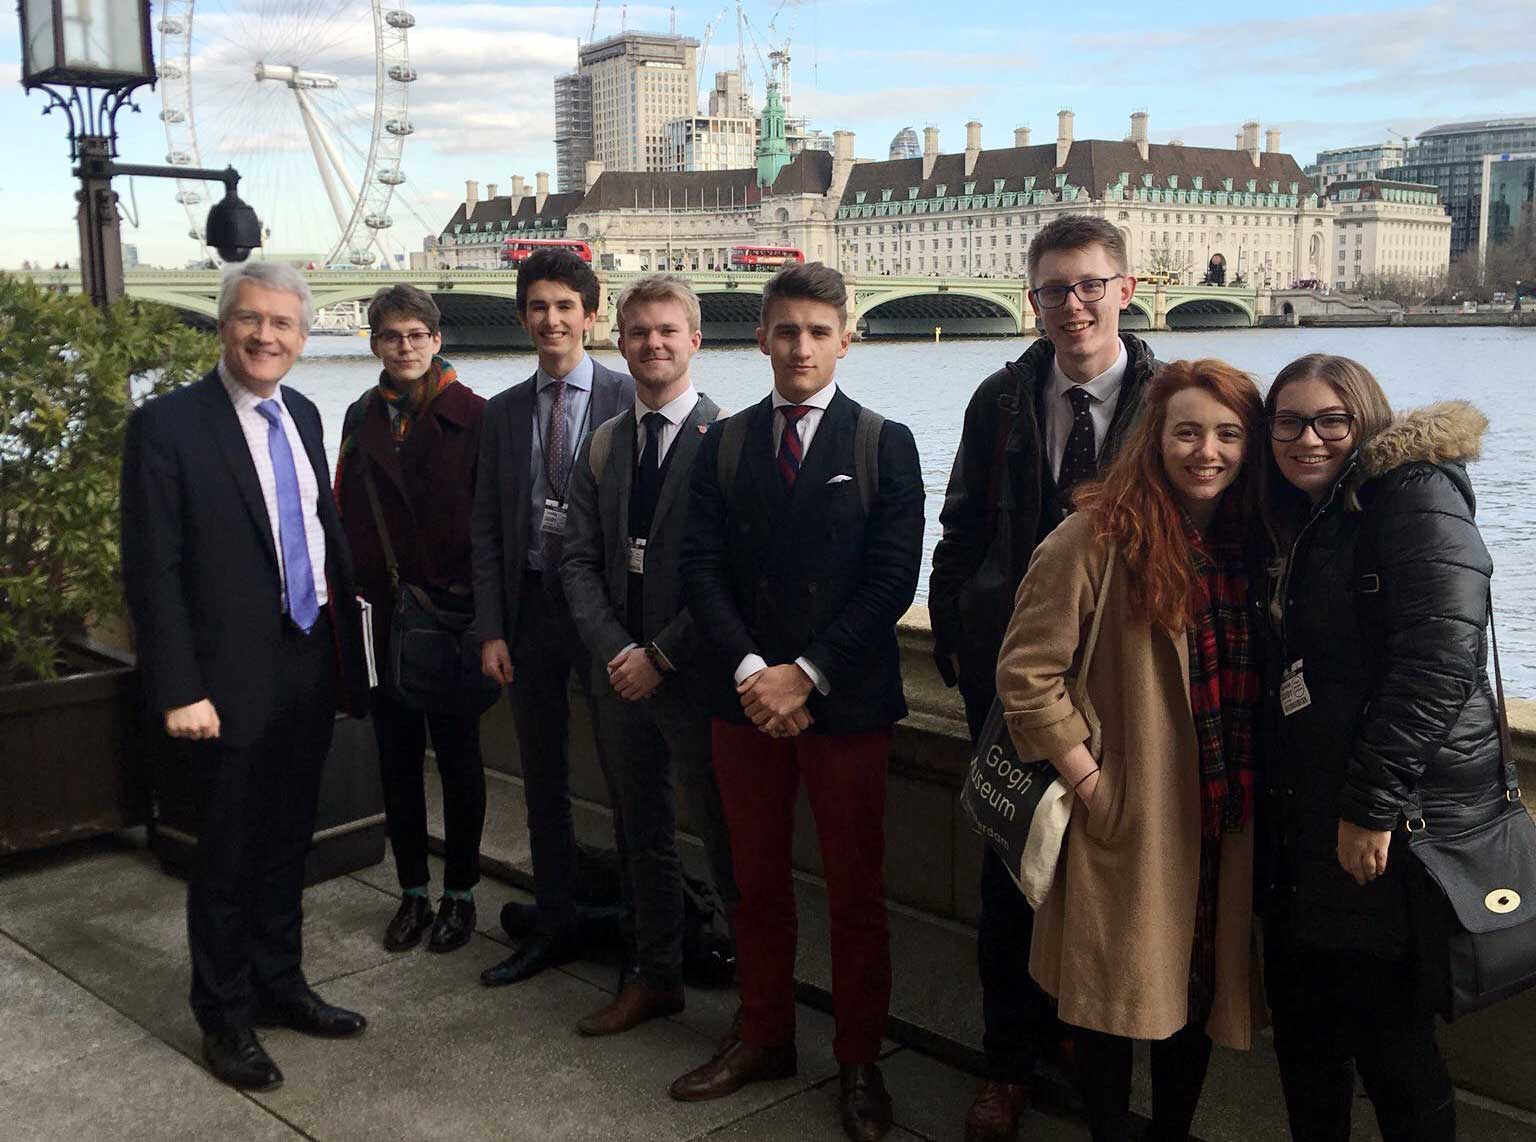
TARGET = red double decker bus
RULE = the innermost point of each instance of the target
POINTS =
(764, 257)
(517, 250)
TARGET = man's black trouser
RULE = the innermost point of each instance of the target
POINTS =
(545, 651)
(1336, 1012)
(1019, 1023)
(402, 736)
(256, 807)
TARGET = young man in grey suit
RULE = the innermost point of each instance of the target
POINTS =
(528, 445)
(629, 505)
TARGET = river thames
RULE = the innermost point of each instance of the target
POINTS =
(926, 386)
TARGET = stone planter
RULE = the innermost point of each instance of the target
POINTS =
(72, 760)
(349, 826)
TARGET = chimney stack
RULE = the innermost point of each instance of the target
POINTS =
(1238, 141)
(842, 161)
(541, 189)
(471, 196)
(1021, 136)
(490, 191)
(930, 150)
(1139, 133)
(519, 186)
(972, 146)
(1272, 140)
(591, 173)
(1063, 136)
(1251, 140)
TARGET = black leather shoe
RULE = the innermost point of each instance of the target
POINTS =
(236, 1057)
(404, 931)
(866, 1107)
(532, 956)
(455, 924)
(310, 1015)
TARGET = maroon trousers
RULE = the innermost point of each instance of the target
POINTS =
(844, 776)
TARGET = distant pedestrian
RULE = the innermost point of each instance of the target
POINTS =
(415, 438)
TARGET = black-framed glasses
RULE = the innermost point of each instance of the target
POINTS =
(416, 338)
(1087, 290)
(1329, 426)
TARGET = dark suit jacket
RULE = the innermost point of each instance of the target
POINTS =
(595, 568)
(426, 492)
(200, 564)
(501, 527)
(805, 573)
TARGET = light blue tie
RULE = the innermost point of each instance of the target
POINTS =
(303, 608)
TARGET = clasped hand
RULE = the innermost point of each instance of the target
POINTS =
(632, 675)
(1363, 852)
(774, 698)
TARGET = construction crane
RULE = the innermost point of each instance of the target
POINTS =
(592, 32)
(703, 54)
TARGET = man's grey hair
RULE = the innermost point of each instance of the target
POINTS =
(269, 275)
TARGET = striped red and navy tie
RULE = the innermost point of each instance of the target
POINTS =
(790, 449)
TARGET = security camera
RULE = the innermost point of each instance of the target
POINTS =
(233, 228)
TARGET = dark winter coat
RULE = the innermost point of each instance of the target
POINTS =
(1002, 501)
(427, 492)
(1387, 610)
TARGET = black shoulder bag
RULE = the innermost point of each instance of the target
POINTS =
(1473, 895)
(433, 660)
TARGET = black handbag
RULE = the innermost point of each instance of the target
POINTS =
(433, 659)
(1473, 896)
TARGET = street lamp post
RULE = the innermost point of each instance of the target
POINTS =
(90, 56)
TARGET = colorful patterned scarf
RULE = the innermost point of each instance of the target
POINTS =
(410, 407)
(1223, 686)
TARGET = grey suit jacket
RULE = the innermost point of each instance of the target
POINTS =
(500, 526)
(595, 567)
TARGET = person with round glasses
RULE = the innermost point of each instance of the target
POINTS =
(416, 435)
(1380, 701)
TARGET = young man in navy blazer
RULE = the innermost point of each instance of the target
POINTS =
(796, 586)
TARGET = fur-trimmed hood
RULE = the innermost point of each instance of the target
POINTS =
(1447, 432)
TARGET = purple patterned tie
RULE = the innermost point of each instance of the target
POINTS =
(791, 451)
(557, 467)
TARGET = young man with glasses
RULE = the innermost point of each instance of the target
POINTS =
(415, 437)
(1033, 430)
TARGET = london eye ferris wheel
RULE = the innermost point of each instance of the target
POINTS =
(309, 99)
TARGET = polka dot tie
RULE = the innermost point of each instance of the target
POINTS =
(1079, 462)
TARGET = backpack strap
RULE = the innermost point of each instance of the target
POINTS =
(733, 439)
(601, 445)
(866, 455)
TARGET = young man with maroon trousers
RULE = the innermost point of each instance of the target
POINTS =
(803, 550)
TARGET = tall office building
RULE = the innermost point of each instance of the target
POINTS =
(640, 83)
(573, 129)
(1354, 164)
(1451, 157)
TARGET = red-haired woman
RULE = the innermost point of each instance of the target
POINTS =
(1146, 932)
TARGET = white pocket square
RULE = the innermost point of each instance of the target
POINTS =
(839, 479)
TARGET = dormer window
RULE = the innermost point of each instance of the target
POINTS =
(885, 196)
(1061, 181)
(859, 196)
(970, 188)
(1146, 181)
(939, 190)
(911, 192)
(1173, 181)
(1197, 182)
(997, 185)
(1226, 184)
(1029, 183)
(1253, 185)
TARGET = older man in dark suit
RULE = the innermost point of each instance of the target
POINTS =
(240, 587)
(805, 535)
(629, 508)
(528, 443)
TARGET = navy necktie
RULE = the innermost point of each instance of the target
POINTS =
(1080, 460)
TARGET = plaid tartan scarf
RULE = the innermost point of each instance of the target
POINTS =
(1223, 685)
(411, 406)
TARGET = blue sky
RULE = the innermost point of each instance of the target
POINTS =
(1325, 74)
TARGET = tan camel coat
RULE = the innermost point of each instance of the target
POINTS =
(1113, 939)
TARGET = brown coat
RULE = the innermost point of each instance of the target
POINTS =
(1112, 941)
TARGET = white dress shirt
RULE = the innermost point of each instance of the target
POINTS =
(675, 411)
(255, 427)
(817, 405)
(1104, 394)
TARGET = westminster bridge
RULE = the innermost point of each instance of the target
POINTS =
(479, 306)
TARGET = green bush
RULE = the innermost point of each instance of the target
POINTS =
(69, 375)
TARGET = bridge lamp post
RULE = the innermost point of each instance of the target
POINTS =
(89, 56)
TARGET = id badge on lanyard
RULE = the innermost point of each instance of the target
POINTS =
(1294, 696)
(553, 521)
(636, 556)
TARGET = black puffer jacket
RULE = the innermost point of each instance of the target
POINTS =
(1387, 610)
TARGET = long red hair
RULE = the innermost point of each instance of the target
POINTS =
(1135, 505)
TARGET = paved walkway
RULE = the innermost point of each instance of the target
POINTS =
(96, 1041)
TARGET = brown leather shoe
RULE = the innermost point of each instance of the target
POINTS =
(733, 1069)
(636, 1004)
(995, 1112)
(865, 1104)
